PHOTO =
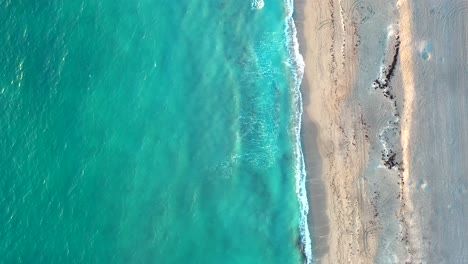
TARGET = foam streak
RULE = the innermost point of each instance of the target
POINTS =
(297, 67)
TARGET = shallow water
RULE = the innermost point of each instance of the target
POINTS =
(148, 132)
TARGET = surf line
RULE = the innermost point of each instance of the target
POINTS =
(296, 63)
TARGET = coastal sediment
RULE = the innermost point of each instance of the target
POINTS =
(357, 116)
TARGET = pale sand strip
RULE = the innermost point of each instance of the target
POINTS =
(407, 70)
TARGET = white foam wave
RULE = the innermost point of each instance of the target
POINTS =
(258, 4)
(297, 66)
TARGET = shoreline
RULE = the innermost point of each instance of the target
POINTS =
(301, 174)
(329, 177)
(316, 194)
(355, 146)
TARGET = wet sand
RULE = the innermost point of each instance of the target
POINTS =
(384, 129)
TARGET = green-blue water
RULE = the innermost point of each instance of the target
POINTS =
(147, 131)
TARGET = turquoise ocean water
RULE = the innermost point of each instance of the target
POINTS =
(150, 131)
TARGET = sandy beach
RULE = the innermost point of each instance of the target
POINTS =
(366, 115)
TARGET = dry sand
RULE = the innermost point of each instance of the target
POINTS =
(438, 142)
(372, 72)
